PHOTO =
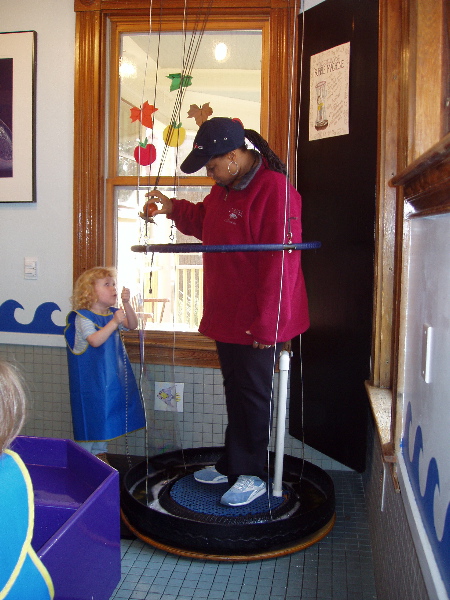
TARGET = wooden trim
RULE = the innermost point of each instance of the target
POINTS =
(389, 52)
(169, 348)
(429, 74)
(406, 77)
(88, 183)
(426, 182)
(163, 181)
(144, 5)
(282, 70)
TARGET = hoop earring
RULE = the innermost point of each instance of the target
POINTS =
(233, 162)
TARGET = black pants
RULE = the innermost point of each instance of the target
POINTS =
(248, 380)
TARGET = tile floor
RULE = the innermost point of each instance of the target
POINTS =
(339, 567)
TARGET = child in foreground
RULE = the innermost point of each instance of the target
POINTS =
(104, 396)
(22, 574)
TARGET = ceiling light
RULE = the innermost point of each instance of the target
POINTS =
(221, 52)
(127, 69)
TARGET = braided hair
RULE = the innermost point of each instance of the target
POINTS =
(274, 163)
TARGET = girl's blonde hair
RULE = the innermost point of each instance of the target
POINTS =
(12, 403)
(84, 292)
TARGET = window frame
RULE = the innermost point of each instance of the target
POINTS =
(94, 220)
(413, 159)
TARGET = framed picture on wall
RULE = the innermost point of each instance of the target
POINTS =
(17, 116)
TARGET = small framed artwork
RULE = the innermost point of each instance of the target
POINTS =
(17, 116)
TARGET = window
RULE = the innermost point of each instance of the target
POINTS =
(224, 79)
(108, 188)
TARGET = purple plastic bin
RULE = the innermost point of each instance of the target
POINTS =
(77, 517)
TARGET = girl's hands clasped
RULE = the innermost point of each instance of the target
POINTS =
(119, 316)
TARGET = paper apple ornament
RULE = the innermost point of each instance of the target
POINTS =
(145, 153)
(174, 135)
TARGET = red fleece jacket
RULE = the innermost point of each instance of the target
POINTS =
(261, 292)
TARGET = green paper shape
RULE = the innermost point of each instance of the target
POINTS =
(179, 81)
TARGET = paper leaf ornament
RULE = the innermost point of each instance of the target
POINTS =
(144, 115)
(179, 81)
(200, 113)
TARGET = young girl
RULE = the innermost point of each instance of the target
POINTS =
(22, 574)
(104, 397)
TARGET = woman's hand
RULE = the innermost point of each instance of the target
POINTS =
(149, 208)
(259, 344)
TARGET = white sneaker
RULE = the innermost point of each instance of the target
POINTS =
(210, 475)
(246, 489)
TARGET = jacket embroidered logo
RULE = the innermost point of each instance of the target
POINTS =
(233, 216)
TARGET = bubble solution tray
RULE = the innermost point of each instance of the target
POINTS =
(77, 517)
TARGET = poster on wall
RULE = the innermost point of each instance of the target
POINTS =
(329, 93)
(17, 116)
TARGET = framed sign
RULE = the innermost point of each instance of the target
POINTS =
(17, 116)
(329, 93)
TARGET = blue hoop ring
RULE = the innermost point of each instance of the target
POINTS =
(185, 248)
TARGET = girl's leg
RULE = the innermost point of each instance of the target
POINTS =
(100, 447)
(94, 447)
(86, 445)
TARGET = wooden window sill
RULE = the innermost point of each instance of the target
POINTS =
(172, 348)
(381, 404)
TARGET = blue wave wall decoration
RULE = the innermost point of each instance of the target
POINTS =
(441, 549)
(41, 323)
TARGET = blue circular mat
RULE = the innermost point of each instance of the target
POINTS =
(205, 498)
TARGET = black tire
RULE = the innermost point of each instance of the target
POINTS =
(308, 504)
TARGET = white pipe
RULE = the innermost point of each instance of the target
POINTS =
(281, 423)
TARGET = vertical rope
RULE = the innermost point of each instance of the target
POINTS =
(124, 358)
(292, 29)
(302, 8)
(188, 64)
(189, 57)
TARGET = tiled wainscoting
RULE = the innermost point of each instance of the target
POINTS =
(202, 423)
(397, 571)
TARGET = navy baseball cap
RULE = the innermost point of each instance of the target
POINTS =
(215, 136)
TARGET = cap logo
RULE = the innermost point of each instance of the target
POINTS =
(197, 147)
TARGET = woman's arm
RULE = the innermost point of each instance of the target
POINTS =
(188, 216)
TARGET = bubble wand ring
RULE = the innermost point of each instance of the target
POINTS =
(186, 248)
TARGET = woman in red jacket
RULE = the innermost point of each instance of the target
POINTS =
(253, 301)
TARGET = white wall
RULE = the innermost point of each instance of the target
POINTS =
(43, 229)
(425, 457)
(307, 4)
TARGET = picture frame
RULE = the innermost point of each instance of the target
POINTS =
(17, 116)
